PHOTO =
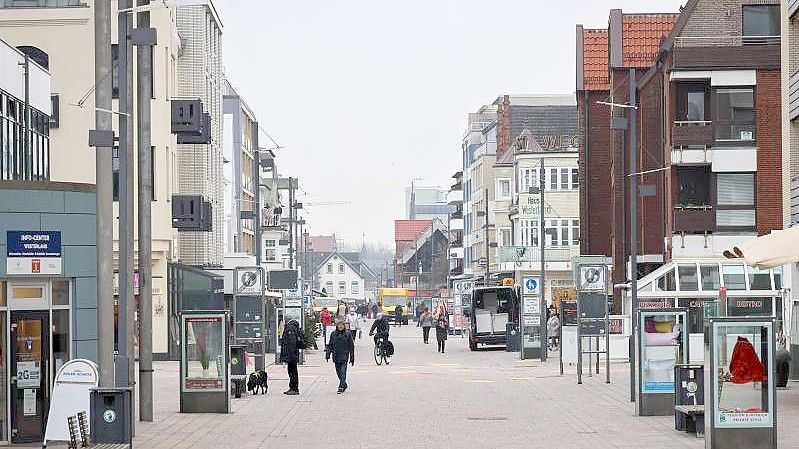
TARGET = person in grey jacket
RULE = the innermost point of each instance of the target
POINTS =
(425, 322)
(342, 349)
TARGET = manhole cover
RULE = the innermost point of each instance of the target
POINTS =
(487, 418)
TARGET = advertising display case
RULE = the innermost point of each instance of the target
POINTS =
(662, 343)
(740, 396)
(204, 362)
(250, 326)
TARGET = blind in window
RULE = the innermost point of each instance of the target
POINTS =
(735, 189)
(735, 218)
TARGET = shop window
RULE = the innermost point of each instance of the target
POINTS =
(688, 279)
(27, 292)
(759, 279)
(61, 337)
(696, 313)
(735, 114)
(734, 277)
(60, 292)
(710, 277)
(694, 186)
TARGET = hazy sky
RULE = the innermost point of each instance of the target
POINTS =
(366, 95)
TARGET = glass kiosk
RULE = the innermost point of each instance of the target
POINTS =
(739, 395)
(204, 362)
(662, 343)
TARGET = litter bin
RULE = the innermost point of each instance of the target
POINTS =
(514, 337)
(110, 414)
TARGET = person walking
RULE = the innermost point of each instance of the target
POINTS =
(553, 326)
(374, 310)
(425, 322)
(342, 349)
(398, 315)
(442, 326)
(353, 323)
(290, 344)
(327, 320)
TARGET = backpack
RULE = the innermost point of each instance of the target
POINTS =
(389, 348)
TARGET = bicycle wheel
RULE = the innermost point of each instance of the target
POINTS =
(378, 355)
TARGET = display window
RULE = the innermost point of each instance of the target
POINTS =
(204, 362)
(663, 344)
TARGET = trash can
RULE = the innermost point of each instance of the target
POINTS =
(514, 337)
(238, 369)
(110, 415)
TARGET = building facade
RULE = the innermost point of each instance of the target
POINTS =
(200, 75)
(340, 278)
(455, 227)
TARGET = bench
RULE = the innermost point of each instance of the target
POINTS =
(690, 418)
(79, 427)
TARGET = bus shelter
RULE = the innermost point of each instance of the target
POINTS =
(749, 291)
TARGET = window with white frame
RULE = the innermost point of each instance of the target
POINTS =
(528, 232)
(504, 237)
(562, 232)
(330, 268)
(270, 254)
(342, 288)
(329, 287)
(341, 268)
(556, 178)
(355, 288)
(503, 189)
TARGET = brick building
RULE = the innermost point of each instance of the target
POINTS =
(710, 138)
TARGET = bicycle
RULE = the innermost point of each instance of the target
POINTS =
(380, 352)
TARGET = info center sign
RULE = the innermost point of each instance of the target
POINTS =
(33, 252)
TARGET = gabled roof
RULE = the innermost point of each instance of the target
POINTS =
(407, 230)
(642, 35)
(595, 60)
(343, 259)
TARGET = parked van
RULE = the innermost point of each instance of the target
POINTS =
(491, 309)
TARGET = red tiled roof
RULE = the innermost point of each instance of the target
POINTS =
(407, 230)
(595, 60)
(642, 35)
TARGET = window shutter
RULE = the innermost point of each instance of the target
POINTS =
(735, 189)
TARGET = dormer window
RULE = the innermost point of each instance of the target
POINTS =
(761, 24)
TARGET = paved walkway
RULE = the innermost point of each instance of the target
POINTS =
(487, 399)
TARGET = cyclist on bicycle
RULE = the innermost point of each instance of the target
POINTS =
(379, 329)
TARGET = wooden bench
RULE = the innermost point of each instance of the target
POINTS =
(693, 419)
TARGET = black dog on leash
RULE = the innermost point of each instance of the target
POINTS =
(257, 381)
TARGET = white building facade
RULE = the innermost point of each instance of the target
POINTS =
(340, 278)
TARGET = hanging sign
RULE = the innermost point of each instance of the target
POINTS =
(33, 252)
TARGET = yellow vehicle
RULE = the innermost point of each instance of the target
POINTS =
(389, 298)
(320, 302)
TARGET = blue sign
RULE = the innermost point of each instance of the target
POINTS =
(34, 243)
(531, 285)
(306, 301)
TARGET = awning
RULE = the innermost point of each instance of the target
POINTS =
(780, 247)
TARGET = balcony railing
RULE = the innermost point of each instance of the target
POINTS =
(522, 254)
(694, 219)
(688, 133)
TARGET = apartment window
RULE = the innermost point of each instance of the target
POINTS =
(19, 161)
(562, 232)
(735, 198)
(735, 114)
(503, 188)
(761, 24)
(341, 268)
(329, 287)
(694, 186)
(355, 287)
(565, 178)
(528, 178)
(553, 178)
(692, 101)
(330, 268)
(575, 179)
(504, 237)
(342, 288)
(528, 232)
(575, 232)
(270, 250)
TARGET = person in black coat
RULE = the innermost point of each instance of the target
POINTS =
(290, 344)
(342, 348)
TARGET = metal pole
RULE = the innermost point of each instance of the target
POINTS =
(145, 73)
(291, 222)
(633, 145)
(256, 175)
(105, 208)
(487, 240)
(27, 172)
(544, 336)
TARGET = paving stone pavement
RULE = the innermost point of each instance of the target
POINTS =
(423, 399)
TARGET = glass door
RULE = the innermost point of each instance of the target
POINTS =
(30, 354)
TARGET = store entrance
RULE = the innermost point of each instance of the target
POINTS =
(30, 354)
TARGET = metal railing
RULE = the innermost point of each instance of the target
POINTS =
(724, 41)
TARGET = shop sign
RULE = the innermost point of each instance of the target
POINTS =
(653, 305)
(33, 252)
(741, 418)
(70, 395)
(616, 326)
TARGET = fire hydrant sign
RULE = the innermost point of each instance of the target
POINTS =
(33, 252)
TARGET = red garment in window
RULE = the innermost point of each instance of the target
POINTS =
(745, 366)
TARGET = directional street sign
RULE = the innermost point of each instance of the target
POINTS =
(532, 285)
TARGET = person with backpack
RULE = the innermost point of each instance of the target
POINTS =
(342, 349)
(442, 327)
(291, 342)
